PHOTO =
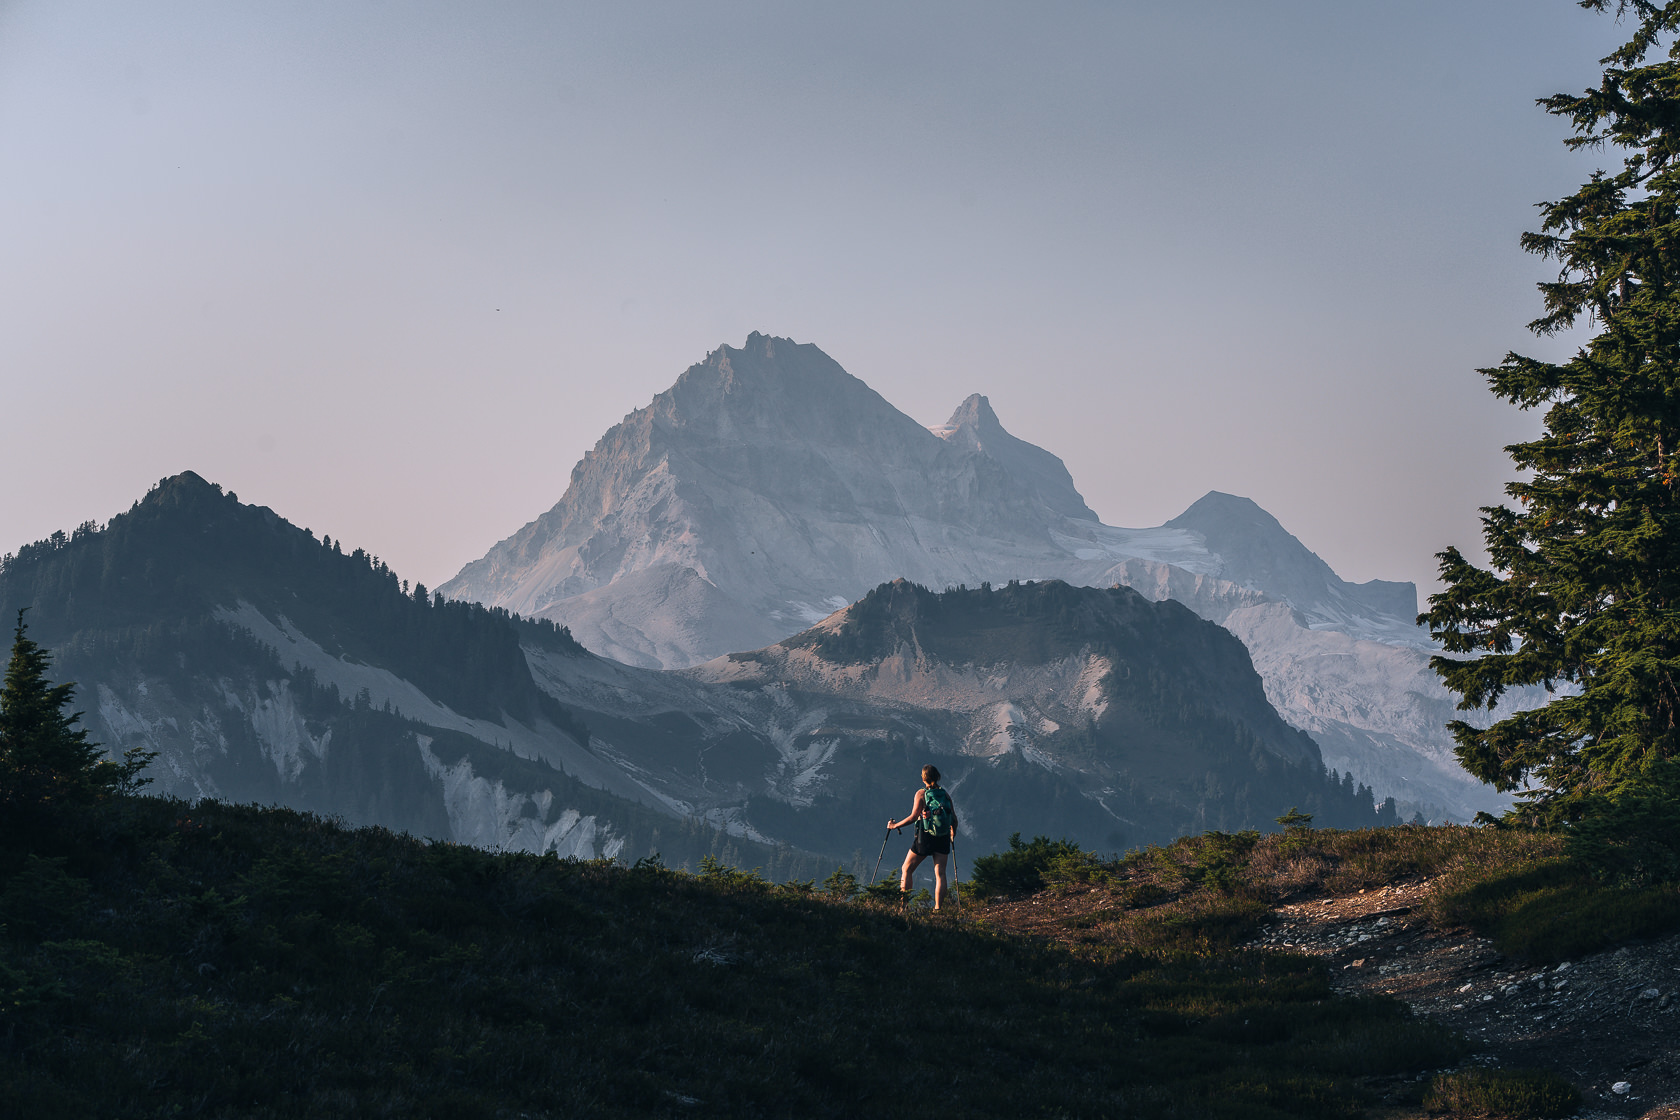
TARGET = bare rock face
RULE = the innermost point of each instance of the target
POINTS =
(791, 487)
(975, 426)
(1091, 713)
(769, 488)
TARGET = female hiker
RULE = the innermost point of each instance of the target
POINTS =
(935, 818)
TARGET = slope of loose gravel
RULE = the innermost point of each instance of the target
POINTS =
(1604, 1021)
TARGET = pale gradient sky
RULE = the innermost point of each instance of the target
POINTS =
(391, 269)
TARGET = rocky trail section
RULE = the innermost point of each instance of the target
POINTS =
(1610, 1021)
(1606, 1021)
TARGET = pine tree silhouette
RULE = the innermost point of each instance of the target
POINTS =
(46, 760)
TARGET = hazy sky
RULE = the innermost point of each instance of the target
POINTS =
(391, 269)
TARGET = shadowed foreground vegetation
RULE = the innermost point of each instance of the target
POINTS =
(1540, 895)
(210, 960)
(158, 959)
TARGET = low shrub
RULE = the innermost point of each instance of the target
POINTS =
(1553, 909)
(841, 885)
(1516, 1094)
(1374, 1045)
(884, 889)
(1221, 858)
(718, 874)
(1141, 895)
(1201, 923)
(1633, 840)
(1025, 867)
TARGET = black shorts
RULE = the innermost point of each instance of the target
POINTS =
(927, 844)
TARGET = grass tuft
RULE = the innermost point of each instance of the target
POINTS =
(1517, 1094)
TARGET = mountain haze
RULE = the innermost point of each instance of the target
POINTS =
(769, 487)
(1255, 551)
(975, 426)
(265, 665)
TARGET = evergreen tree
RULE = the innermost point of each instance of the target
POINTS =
(45, 759)
(1584, 586)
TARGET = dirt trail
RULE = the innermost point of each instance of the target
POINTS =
(1608, 1022)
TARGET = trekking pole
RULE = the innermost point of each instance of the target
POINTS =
(882, 856)
(955, 896)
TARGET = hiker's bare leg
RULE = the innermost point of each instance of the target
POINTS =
(911, 862)
(938, 880)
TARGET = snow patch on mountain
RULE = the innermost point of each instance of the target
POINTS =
(487, 814)
(1376, 710)
(733, 820)
(910, 678)
(800, 777)
(123, 726)
(1091, 540)
(656, 615)
(1000, 736)
(383, 686)
(280, 727)
(1088, 687)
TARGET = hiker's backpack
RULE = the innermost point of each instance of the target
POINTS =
(937, 820)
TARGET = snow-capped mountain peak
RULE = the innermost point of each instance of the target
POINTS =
(768, 486)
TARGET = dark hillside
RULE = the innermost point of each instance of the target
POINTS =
(159, 959)
(1018, 623)
(267, 666)
(370, 769)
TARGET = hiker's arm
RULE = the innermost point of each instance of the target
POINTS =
(915, 813)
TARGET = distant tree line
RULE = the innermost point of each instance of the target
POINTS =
(187, 549)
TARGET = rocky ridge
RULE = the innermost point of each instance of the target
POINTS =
(1092, 713)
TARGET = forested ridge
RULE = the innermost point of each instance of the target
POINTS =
(159, 571)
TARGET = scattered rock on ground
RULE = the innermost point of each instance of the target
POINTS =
(1605, 1020)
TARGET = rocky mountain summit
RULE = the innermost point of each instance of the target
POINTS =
(769, 487)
